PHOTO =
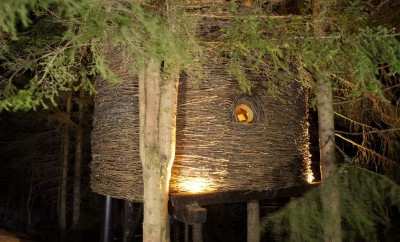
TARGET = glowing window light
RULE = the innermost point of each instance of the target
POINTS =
(244, 113)
(196, 185)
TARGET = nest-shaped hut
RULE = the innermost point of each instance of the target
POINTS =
(226, 141)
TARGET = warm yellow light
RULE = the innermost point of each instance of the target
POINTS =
(196, 185)
(310, 176)
(244, 113)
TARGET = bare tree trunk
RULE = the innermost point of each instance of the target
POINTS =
(158, 104)
(253, 221)
(326, 128)
(330, 198)
(76, 209)
(63, 196)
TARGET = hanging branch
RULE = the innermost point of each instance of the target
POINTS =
(388, 161)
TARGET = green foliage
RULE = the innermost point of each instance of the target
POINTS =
(365, 201)
(250, 52)
(53, 46)
(56, 46)
(350, 53)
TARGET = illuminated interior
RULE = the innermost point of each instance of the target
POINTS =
(243, 113)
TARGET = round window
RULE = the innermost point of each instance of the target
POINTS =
(244, 113)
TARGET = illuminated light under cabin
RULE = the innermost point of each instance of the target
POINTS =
(310, 177)
(196, 185)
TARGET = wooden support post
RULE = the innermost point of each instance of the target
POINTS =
(197, 232)
(253, 221)
(62, 219)
(129, 222)
(176, 231)
(186, 232)
(76, 207)
(194, 215)
(107, 219)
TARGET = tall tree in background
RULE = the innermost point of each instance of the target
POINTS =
(326, 132)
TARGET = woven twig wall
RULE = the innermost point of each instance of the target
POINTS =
(115, 166)
(212, 148)
(271, 152)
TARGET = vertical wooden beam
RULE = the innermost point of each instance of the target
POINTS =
(197, 232)
(253, 221)
(128, 222)
(176, 231)
(76, 207)
(62, 220)
(107, 219)
(187, 232)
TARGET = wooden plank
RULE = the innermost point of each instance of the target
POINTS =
(180, 200)
(191, 214)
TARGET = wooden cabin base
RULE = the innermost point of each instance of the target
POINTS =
(189, 208)
(180, 200)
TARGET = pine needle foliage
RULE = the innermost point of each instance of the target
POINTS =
(350, 53)
(366, 199)
(54, 46)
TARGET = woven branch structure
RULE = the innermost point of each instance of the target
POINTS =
(213, 150)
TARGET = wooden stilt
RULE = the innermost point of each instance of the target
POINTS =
(175, 231)
(192, 215)
(62, 219)
(76, 206)
(186, 232)
(197, 231)
(107, 220)
(253, 221)
(129, 222)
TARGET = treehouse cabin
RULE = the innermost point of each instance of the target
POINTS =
(227, 142)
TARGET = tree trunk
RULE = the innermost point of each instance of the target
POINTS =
(76, 209)
(326, 129)
(330, 198)
(158, 104)
(253, 221)
(63, 196)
